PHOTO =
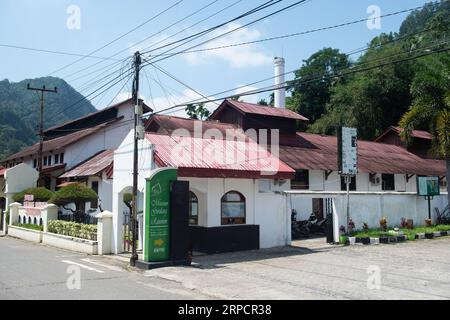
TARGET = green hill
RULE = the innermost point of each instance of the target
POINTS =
(19, 111)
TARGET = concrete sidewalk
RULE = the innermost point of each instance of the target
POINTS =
(412, 270)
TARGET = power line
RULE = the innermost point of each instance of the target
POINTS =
(160, 31)
(120, 37)
(291, 34)
(289, 84)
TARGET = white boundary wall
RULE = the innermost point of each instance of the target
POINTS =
(369, 207)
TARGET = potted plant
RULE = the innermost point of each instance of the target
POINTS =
(365, 227)
(342, 235)
(383, 224)
(428, 222)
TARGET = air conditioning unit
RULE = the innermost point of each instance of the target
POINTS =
(374, 179)
(443, 183)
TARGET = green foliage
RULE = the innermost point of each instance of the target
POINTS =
(76, 193)
(19, 111)
(197, 112)
(127, 199)
(40, 194)
(73, 229)
(29, 226)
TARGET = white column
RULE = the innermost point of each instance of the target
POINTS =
(104, 232)
(14, 213)
(280, 92)
(49, 213)
(140, 219)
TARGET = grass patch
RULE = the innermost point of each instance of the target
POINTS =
(411, 234)
(29, 226)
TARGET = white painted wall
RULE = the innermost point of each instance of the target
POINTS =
(123, 180)
(370, 207)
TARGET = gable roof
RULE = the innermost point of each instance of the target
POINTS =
(216, 158)
(256, 109)
(419, 134)
(168, 124)
(95, 114)
(60, 142)
(93, 166)
(319, 152)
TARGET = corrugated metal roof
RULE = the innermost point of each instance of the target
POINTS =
(216, 158)
(318, 152)
(60, 142)
(168, 124)
(420, 134)
(250, 108)
(92, 166)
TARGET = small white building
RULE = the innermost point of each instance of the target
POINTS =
(73, 151)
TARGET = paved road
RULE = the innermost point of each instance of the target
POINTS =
(313, 270)
(31, 271)
(412, 270)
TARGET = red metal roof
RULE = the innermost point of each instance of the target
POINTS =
(60, 142)
(420, 134)
(250, 108)
(96, 164)
(198, 157)
(2, 171)
(318, 152)
(168, 124)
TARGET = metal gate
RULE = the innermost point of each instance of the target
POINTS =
(127, 232)
(2, 213)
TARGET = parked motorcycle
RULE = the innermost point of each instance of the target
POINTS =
(303, 229)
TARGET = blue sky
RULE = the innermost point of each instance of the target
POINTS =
(43, 24)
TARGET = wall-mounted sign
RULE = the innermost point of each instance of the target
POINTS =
(348, 151)
(428, 186)
(28, 197)
(157, 215)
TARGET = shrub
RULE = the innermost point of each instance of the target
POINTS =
(383, 224)
(73, 229)
(40, 194)
(365, 226)
(76, 193)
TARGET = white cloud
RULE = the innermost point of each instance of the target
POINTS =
(238, 57)
(254, 98)
(160, 103)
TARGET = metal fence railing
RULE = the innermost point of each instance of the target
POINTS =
(78, 217)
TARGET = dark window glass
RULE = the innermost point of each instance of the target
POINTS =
(61, 158)
(301, 180)
(35, 163)
(56, 158)
(193, 208)
(45, 161)
(94, 186)
(352, 184)
(388, 182)
(233, 208)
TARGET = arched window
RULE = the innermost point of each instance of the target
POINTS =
(233, 208)
(193, 209)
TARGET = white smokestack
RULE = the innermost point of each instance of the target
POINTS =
(280, 92)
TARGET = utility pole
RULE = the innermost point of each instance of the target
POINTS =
(137, 114)
(41, 122)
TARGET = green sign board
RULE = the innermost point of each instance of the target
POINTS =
(157, 215)
(428, 186)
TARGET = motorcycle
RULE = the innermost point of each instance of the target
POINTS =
(303, 229)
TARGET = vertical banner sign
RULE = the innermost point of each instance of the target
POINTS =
(348, 151)
(157, 215)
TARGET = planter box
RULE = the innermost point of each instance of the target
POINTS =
(393, 240)
(444, 233)
(365, 241)
(401, 238)
(352, 240)
(70, 243)
(374, 241)
(420, 236)
(384, 240)
(25, 234)
(437, 234)
(429, 235)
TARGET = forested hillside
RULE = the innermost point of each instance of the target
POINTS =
(378, 97)
(19, 110)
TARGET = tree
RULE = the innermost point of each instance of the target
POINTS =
(40, 194)
(430, 108)
(309, 98)
(197, 112)
(76, 193)
(263, 102)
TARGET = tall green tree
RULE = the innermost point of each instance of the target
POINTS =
(309, 98)
(197, 112)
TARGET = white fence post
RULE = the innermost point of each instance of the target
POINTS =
(14, 213)
(140, 219)
(48, 213)
(104, 232)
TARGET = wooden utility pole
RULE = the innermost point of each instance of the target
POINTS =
(137, 114)
(41, 122)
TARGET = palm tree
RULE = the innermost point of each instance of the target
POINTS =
(430, 108)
